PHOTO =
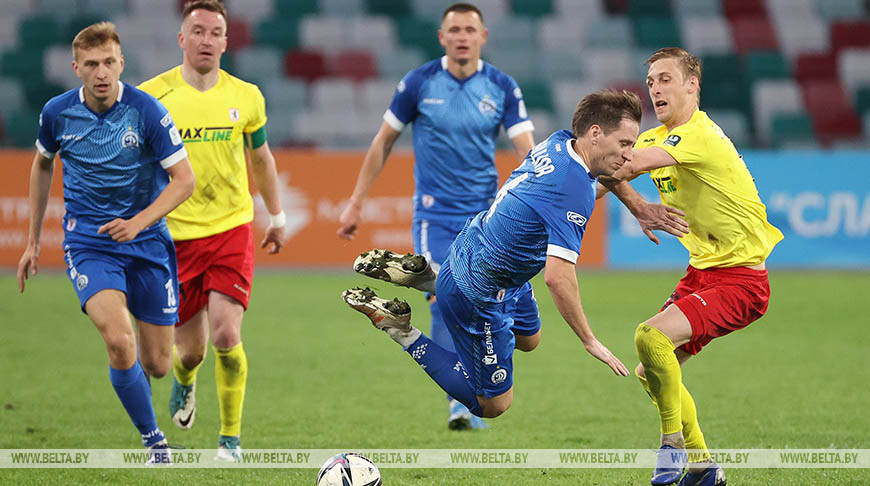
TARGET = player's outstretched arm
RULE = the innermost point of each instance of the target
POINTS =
(561, 280)
(374, 161)
(40, 183)
(650, 216)
(176, 192)
(265, 176)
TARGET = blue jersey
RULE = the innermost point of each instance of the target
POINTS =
(541, 210)
(113, 162)
(456, 124)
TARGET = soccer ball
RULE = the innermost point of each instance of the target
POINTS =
(349, 469)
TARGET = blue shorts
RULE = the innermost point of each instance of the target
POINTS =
(432, 239)
(146, 271)
(483, 336)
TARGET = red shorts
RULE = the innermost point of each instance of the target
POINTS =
(223, 262)
(718, 301)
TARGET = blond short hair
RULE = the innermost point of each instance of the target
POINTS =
(95, 35)
(689, 64)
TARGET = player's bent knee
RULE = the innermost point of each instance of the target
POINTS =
(528, 343)
(494, 406)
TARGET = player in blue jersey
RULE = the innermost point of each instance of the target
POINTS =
(457, 105)
(536, 222)
(119, 148)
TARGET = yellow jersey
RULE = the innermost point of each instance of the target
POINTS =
(213, 125)
(712, 185)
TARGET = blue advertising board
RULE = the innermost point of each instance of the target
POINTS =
(820, 200)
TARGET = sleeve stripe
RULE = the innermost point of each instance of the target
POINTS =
(521, 127)
(45, 153)
(393, 121)
(563, 253)
(175, 158)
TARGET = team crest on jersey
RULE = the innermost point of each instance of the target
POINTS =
(234, 114)
(130, 139)
(576, 218)
(81, 282)
(166, 121)
(499, 376)
(673, 140)
(486, 105)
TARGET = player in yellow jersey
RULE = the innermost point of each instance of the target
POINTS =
(697, 170)
(220, 118)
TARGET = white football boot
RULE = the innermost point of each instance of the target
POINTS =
(407, 270)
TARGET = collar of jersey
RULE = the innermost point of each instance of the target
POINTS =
(569, 147)
(444, 67)
(120, 95)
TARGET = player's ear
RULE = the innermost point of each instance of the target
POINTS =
(483, 36)
(441, 39)
(180, 40)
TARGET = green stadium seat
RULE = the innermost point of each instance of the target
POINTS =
(11, 95)
(796, 127)
(393, 65)
(104, 8)
(726, 93)
(532, 8)
(40, 31)
(22, 63)
(420, 33)
(393, 8)
(20, 129)
(537, 95)
(39, 92)
(648, 8)
(862, 100)
(293, 9)
(77, 23)
(282, 33)
(610, 33)
(656, 32)
(766, 65)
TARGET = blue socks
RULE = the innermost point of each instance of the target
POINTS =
(439, 334)
(132, 388)
(446, 370)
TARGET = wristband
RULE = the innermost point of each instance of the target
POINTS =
(277, 220)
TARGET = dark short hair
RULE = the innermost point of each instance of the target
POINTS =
(689, 64)
(606, 108)
(462, 8)
(211, 5)
(95, 35)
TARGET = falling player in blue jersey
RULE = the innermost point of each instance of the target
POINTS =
(457, 104)
(536, 222)
(119, 146)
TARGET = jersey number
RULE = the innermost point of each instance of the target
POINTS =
(170, 293)
(503, 192)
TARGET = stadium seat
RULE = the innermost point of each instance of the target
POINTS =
(537, 95)
(545, 124)
(840, 9)
(20, 128)
(832, 114)
(586, 11)
(37, 93)
(616, 7)
(294, 9)
(433, 9)
(861, 100)
(8, 32)
(420, 33)
(375, 95)
(285, 94)
(734, 9)
(656, 32)
(558, 32)
(561, 64)
(342, 8)
(854, 68)
(259, 64)
(57, 68)
(24, 63)
(373, 33)
(520, 63)
(707, 35)
(40, 31)
(305, 64)
(735, 125)
(332, 94)
(792, 127)
(280, 129)
(280, 33)
(728, 93)
(765, 65)
(493, 10)
(753, 34)
(392, 8)
(809, 67)
(354, 64)
(773, 97)
(76, 23)
(532, 8)
(394, 64)
(238, 34)
(798, 35)
(324, 33)
(698, 8)
(648, 8)
(512, 33)
(104, 8)
(566, 95)
(607, 65)
(781, 9)
(610, 32)
(850, 34)
(253, 11)
(11, 96)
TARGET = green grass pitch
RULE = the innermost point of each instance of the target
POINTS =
(321, 377)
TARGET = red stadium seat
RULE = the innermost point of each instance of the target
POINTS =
(308, 65)
(850, 34)
(238, 34)
(810, 67)
(734, 9)
(832, 113)
(753, 34)
(354, 64)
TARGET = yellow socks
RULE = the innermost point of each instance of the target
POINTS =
(663, 374)
(231, 375)
(184, 376)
